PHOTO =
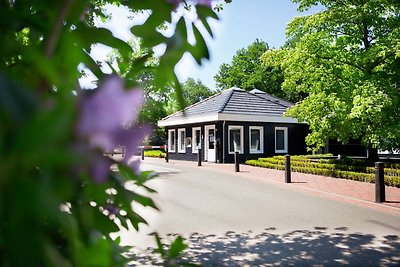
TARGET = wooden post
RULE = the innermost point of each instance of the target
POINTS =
(237, 161)
(166, 154)
(199, 157)
(288, 178)
(142, 153)
(379, 182)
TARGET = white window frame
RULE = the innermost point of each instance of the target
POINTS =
(236, 127)
(285, 136)
(171, 143)
(180, 150)
(195, 150)
(261, 150)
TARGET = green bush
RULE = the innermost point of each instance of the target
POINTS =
(154, 153)
(331, 167)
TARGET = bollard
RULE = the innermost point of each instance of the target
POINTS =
(237, 161)
(199, 157)
(288, 178)
(379, 182)
(166, 154)
(142, 153)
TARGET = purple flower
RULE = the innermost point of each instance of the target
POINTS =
(107, 120)
(204, 2)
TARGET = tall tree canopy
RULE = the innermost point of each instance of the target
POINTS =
(247, 72)
(347, 59)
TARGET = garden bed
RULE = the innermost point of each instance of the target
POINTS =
(345, 168)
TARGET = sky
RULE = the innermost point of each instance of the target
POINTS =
(241, 23)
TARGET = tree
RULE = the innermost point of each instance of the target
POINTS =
(59, 199)
(193, 92)
(247, 72)
(346, 59)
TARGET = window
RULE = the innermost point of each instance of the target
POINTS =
(196, 139)
(171, 140)
(181, 141)
(281, 140)
(235, 139)
(256, 139)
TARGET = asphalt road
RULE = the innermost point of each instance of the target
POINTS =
(235, 221)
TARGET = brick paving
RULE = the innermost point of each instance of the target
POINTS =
(357, 193)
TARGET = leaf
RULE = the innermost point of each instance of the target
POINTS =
(150, 38)
(144, 201)
(90, 35)
(204, 12)
(16, 103)
(199, 51)
(103, 223)
(160, 246)
(176, 248)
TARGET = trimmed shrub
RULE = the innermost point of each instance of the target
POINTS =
(154, 153)
(337, 168)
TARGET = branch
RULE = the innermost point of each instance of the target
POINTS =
(350, 63)
(55, 32)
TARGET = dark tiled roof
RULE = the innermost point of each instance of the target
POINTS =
(235, 101)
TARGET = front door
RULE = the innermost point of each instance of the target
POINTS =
(209, 154)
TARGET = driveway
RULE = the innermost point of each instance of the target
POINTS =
(239, 220)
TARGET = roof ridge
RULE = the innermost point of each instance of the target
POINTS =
(275, 99)
(227, 99)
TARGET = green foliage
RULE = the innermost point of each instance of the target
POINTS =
(171, 254)
(345, 58)
(357, 170)
(154, 153)
(53, 212)
(247, 72)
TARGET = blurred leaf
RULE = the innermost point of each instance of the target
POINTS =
(160, 246)
(144, 201)
(176, 248)
(89, 36)
(103, 223)
(199, 51)
(204, 12)
(16, 103)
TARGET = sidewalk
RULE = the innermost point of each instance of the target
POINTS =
(357, 193)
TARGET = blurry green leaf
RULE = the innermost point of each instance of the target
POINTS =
(199, 51)
(16, 103)
(176, 248)
(149, 38)
(103, 223)
(89, 36)
(127, 174)
(204, 12)
(160, 246)
(144, 201)
(97, 253)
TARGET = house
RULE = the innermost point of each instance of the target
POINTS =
(251, 123)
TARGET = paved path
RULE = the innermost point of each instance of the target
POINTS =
(359, 193)
(252, 218)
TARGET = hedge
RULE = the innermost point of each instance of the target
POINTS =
(154, 153)
(330, 167)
